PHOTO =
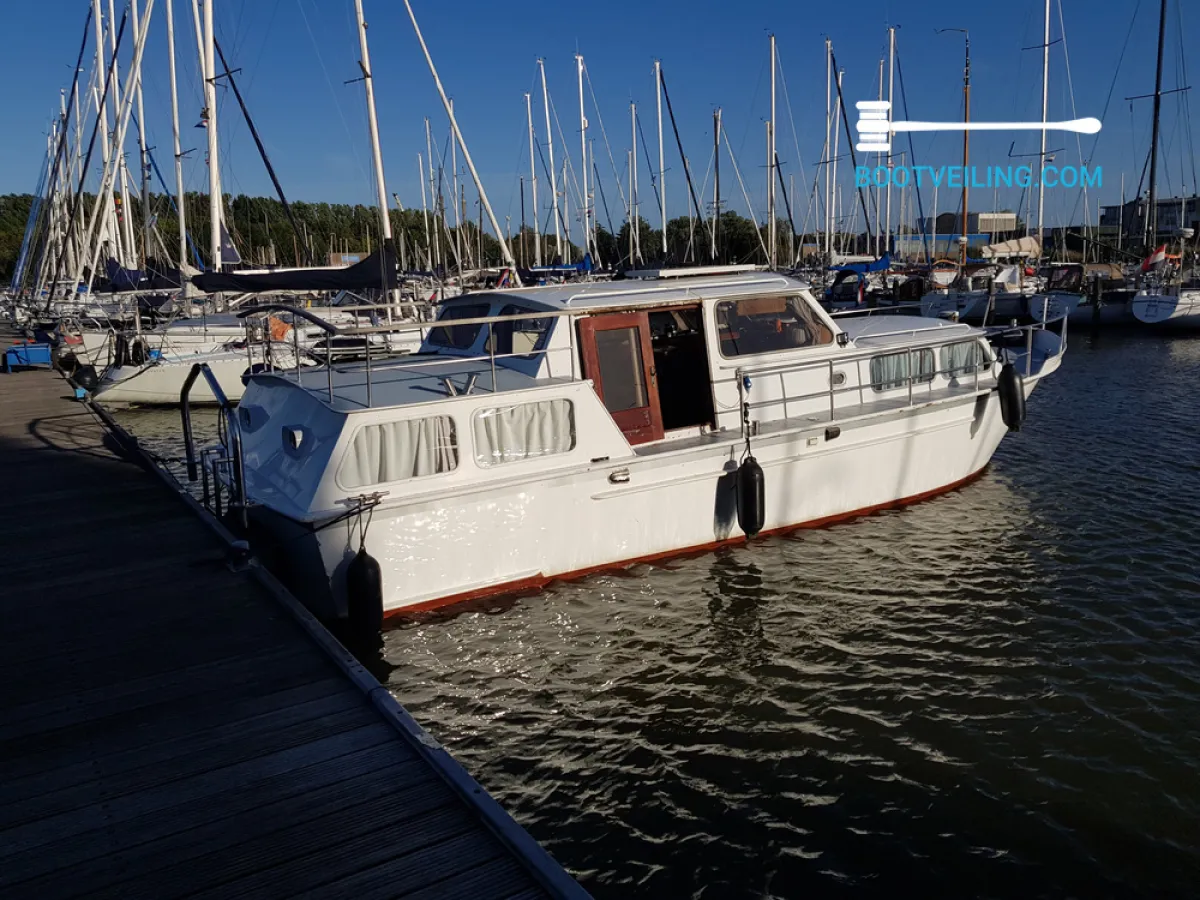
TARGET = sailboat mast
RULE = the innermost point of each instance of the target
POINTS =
(632, 226)
(107, 182)
(537, 238)
(828, 148)
(504, 248)
(108, 223)
(962, 232)
(385, 220)
(633, 191)
(558, 247)
(424, 212)
(716, 180)
(214, 173)
(833, 196)
(583, 155)
(433, 200)
(879, 190)
(459, 213)
(771, 241)
(179, 194)
(143, 153)
(1045, 114)
(887, 231)
(662, 184)
(1151, 229)
(125, 222)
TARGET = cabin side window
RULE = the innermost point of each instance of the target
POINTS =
(963, 359)
(767, 324)
(458, 337)
(891, 370)
(521, 337)
(505, 434)
(397, 451)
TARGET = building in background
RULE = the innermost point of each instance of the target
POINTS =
(997, 223)
(1174, 213)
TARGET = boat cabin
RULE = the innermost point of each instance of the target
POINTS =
(548, 378)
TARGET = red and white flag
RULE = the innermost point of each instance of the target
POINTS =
(1155, 259)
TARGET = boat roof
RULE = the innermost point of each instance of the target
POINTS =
(642, 292)
(885, 331)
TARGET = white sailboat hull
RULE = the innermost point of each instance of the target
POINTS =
(161, 383)
(1179, 310)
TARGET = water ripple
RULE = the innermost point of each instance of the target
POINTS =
(991, 694)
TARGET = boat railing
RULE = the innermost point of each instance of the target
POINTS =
(422, 328)
(223, 463)
(914, 379)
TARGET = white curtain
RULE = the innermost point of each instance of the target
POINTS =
(394, 451)
(961, 359)
(891, 371)
(530, 430)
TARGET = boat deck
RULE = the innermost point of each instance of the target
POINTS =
(170, 728)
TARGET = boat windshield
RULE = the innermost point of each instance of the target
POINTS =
(767, 324)
(458, 337)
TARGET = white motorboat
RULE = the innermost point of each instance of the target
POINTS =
(543, 433)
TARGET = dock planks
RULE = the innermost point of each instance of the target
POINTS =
(168, 728)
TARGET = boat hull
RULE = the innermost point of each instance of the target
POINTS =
(519, 536)
(1175, 311)
(160, 383)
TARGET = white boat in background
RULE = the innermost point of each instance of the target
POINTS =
(543, 433)
(232, 345)
(1168, 307)
(1010, 296)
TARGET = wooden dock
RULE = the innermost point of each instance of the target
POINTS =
(171, 728)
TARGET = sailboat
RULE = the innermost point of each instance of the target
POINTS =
(1165, 300)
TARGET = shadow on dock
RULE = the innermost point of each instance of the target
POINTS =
(170, 727)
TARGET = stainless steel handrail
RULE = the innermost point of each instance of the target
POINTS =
(232, 435)
(860, 354)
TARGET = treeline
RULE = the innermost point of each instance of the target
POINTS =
(264, 235)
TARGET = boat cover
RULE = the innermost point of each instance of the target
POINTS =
(361, 276)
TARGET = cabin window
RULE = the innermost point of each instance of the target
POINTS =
(519, 336)
(458, 337)
(397, 451)
(767, 324)
(891, 370)
(507, 434)
(963, 359)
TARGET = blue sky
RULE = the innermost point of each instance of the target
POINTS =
(295, 56)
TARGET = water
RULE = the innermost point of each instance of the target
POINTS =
(994, 693)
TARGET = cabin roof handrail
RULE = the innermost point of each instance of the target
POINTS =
(688, 289)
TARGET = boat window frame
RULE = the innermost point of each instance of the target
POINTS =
(458, 311)
(983, 362)
(812, 320)
(516, 309)
(488, 466)
(456, 434)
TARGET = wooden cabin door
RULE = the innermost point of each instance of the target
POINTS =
(618, 358)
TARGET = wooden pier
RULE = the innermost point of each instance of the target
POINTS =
(170, 727)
